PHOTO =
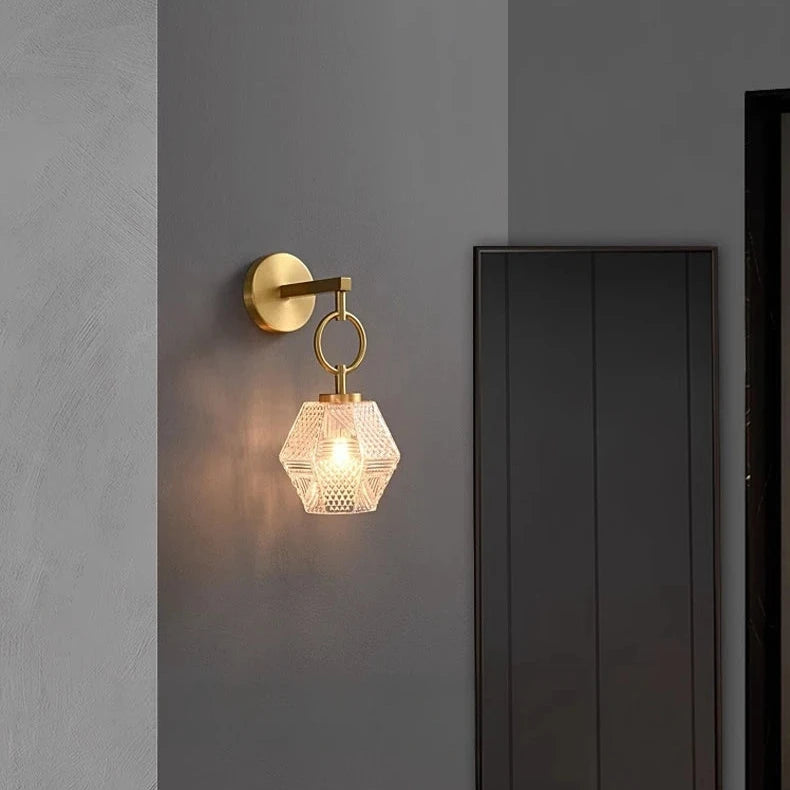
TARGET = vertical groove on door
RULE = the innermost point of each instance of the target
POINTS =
(552, 522)
(702, 396)
(511, 764)
(595, 527)
(492, 621)
(643, 520)
(693, 732)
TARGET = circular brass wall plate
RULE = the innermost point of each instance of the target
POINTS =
(262, 297)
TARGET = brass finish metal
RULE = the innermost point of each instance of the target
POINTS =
(336, 397)
(337, 284)
(340, 371)
(340, 306)
(262, 293)
(279, 294)
(340, 379)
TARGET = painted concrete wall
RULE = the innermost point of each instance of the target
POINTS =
(77, 394)
(626, 125)
(371, 140)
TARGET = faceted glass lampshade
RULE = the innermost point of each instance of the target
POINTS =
(339, 456)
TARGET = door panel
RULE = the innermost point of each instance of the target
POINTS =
(596, 518)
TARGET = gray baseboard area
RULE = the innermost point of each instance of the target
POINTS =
(77, 395)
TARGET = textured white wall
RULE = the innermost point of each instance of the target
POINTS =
(77, 394)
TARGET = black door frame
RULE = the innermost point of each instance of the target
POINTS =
(763, 437)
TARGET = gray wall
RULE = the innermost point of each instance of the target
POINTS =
(626, 125)
(371, 140)
(77, 395)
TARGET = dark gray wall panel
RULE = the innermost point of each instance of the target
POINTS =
(643, 518)
(552, 533)
(370, 139)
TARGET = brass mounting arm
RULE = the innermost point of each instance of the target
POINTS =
(279, 292)
(308, 287)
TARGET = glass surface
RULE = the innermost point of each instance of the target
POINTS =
(339, 456)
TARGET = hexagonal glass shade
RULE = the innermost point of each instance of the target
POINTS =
(339, 456)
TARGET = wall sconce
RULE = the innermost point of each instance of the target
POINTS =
(339, 453)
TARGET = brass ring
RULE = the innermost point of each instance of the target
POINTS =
(319, 351)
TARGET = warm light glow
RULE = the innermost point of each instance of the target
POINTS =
(340, 453)
(339, 456)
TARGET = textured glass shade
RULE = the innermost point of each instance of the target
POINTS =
(339, 456)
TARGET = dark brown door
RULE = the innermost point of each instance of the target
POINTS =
(596, 528)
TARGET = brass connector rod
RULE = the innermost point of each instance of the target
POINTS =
(340, 305)
(340, 379)
(316, 287)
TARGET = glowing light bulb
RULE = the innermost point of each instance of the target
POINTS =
(341, 455)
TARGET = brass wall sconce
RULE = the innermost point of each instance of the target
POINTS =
(339, 453)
